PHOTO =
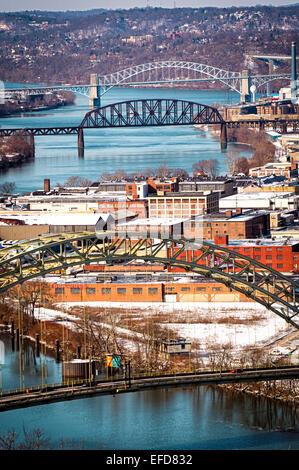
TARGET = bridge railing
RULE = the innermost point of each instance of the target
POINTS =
(71, 383)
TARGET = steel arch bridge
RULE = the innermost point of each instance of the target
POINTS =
(169, 70)
(35, 258)
(151, 112)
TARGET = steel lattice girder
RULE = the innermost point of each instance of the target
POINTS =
(40, 131)
(154, 112)
(35, 258)
(231, 79)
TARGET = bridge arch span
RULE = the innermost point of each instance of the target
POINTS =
(35, 258)
(151, 112)
(230, 79)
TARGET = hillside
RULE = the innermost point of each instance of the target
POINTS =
(65, 47)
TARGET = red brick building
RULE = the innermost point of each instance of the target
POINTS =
(280, 255)
(139, 207)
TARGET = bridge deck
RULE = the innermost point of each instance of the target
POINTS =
(54, 394)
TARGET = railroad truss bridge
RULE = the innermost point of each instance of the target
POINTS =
(152, 112)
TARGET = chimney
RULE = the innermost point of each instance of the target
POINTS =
(294, 73)
(46, 185)
(238, 210)
(228, 213)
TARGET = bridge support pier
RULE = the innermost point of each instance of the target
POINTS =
(57, 350)
(32, 145)
(223, 136)
(37, 344)
(80, 142)
(284, 127)
(261, 125)
(95, 92)
(245, 87)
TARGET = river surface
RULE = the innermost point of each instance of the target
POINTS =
(185, 418)
(108, 150)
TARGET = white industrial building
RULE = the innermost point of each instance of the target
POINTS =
(271, 201)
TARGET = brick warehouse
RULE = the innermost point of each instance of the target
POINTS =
(202, 291)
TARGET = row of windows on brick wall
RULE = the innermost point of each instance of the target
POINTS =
(136, 290)
(107, 290)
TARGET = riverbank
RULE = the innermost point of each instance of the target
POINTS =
(36, 103)
(224, 336)
(16, 150)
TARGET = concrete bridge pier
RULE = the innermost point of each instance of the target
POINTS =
(284, 127)
(32, 145)
(80, 142)
(261, 125)
(95, 92)
(223, 135)
(245, 87)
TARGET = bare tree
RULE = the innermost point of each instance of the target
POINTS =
(33, 440)
(75, 181)
(210, 167)
(7, 187)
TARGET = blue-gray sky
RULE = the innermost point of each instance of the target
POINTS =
(61, 5)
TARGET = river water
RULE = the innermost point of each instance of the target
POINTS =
(107, 150)
(185, 418)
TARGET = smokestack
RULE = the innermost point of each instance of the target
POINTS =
(46, 185)
(294, 73)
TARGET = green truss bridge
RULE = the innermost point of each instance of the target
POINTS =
(35, 258)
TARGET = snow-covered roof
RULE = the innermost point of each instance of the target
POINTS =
(85, 218)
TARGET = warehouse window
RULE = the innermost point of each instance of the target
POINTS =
(106, 290)
(121, 290)
(185, 289)
(279, 265)
(201, 289)
(153, 290)
(75, 290)
(59, 290)
(90, 290)
(217, 288)
(137, 290)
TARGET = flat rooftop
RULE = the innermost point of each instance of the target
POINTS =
(258, 195)
(221, 216)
